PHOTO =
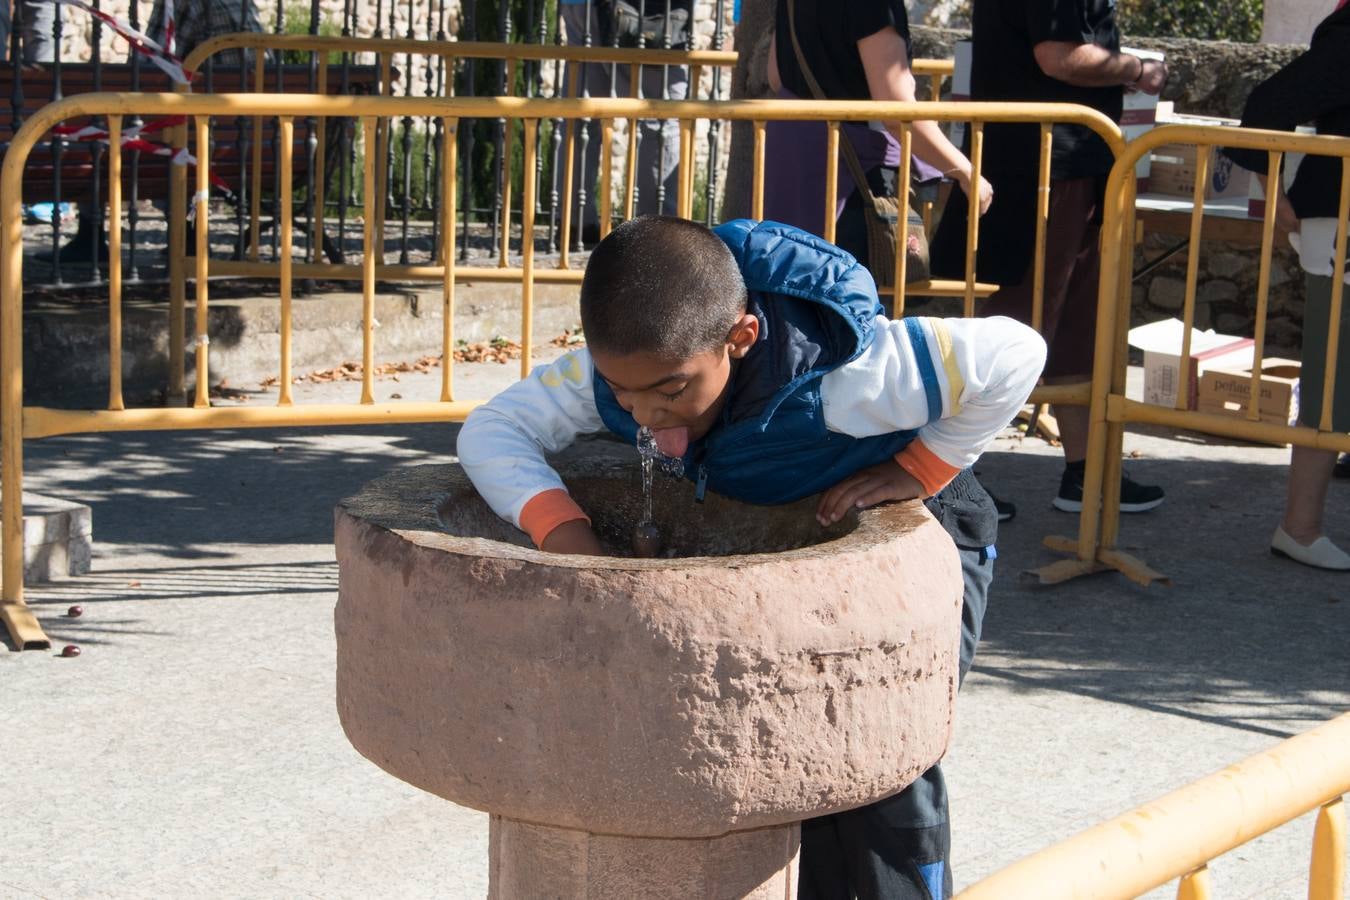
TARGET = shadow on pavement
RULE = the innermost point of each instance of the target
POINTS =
(1241, 639)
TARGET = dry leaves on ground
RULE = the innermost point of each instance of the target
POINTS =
(499, 350)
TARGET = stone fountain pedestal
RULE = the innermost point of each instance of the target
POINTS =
(643, 727)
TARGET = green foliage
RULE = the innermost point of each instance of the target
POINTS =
(296, 21)
(1226, 20)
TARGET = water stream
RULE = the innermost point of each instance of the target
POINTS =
(646, 536)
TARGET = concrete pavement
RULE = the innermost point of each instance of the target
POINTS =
(193, 749)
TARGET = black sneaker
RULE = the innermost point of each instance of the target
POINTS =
(1134, 497)
(1006, 510)
(1342, 469)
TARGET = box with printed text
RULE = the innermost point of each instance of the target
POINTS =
(1162, 343)
(1228, 391)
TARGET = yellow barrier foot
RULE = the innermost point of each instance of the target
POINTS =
(1107, 561)
(23, 627)
(1132, 568)
(1060, 572)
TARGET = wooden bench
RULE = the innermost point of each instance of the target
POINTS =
(75, 161)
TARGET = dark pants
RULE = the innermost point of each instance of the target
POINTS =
(1072, 269)
(897, 848)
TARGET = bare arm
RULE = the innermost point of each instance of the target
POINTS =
(1090, 65)
(1286, 219)
(886, 63)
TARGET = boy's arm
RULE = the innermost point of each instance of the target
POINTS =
(958, 381)
(503, 443)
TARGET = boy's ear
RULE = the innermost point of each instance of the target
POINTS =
(742, 336)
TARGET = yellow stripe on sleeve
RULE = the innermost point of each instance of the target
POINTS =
(956, 382)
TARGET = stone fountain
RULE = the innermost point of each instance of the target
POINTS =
(643, 727)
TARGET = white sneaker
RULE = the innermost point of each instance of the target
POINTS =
(1320, 554)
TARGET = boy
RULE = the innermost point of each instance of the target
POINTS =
(758, 354)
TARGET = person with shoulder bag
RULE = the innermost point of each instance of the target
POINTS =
(858, 52)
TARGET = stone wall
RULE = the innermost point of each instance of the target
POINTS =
(1208, 78)
(1226, 293)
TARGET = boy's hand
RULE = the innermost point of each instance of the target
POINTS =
(576, 538)
(867, 487)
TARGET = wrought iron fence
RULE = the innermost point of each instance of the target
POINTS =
(407, 48)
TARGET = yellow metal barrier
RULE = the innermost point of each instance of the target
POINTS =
(1174, 837)
(1111, 410)
(1177, 835)
(18, 422)
(933, 69)
(383, 51)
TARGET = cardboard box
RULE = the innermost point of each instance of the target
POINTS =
(1228, 391)
(1161, 343)
(1175, 165)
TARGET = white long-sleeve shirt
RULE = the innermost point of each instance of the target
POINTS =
(985, 370)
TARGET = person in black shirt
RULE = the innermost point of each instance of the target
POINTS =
(1065, 51)
(1312, 88)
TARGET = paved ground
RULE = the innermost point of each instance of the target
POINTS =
(194, 750)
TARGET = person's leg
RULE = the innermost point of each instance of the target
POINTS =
(1300, 533)
(1062, 247)
(898, 848)
(659, 149)
(1309, 477)
(39, 31)
(1078, 318)
(594, 83)
(1072, 274)
(822, 869)
(5, 22)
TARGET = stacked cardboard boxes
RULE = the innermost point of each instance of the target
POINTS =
(1228, 391)
(1174, 166)
(1161, 343)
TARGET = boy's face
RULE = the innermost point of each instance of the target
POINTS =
(679, 400)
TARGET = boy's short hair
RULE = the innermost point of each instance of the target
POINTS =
(660, 285)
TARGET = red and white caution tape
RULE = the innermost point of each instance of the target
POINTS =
(94, 133)
(161, 57)
(132, 140)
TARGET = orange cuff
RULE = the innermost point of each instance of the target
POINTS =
(924, 465)
(545, 512)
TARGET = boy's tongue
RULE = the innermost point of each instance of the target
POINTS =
(672, 442)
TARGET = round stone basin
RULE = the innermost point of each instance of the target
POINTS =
(771, 671)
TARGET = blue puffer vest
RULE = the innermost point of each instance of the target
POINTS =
(816, 308)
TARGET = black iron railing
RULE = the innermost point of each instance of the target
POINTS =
(66, 199)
